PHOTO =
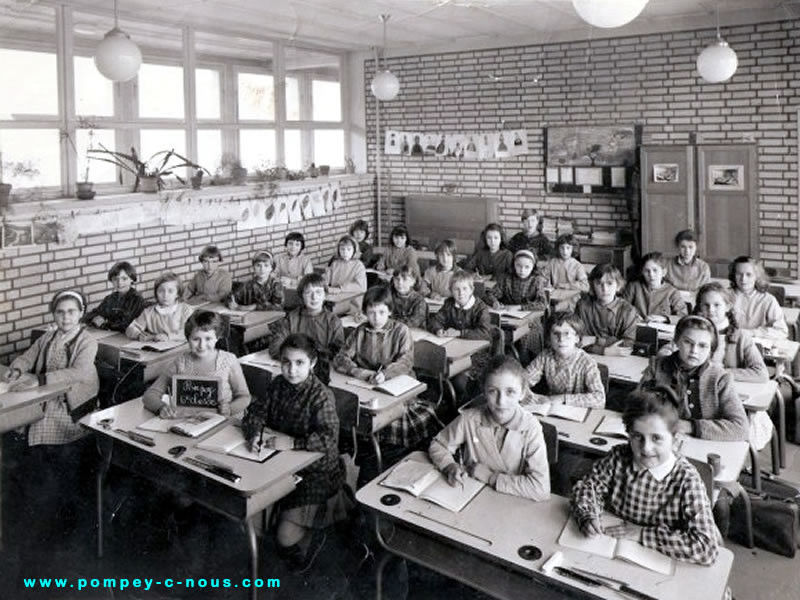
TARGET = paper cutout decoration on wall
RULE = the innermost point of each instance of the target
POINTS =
(484, 145)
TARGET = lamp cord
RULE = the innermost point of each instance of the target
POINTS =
(116, 19)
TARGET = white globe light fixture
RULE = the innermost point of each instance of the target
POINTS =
(608, 13)
(385, 85)
(116, 56)
(718, 62)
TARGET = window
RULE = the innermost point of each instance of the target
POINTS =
(329, 147)
(94, 94)
(156, 140)
(257, 148)
(292, 149)
(31, 157)
(98, 170)
(256, 95)
(160, 91)
(292, 99)
(28, 84)
(209, 148)
(327, 100)
(208, 90)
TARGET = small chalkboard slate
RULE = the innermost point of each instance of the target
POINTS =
(196, 391)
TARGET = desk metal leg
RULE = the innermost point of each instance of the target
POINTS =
(756, 468)
(781, 408)
(105, 447)
(377, 447)
(252, 542)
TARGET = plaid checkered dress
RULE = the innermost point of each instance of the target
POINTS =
(410, 309)
(118, 310)
(576, 377)
(307, 412)
(530, 294)
(266, 296)
(674, 512)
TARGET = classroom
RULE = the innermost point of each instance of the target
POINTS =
(400, 299)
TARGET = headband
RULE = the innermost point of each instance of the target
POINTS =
(525, 253)
(71, 294)
(263, 254)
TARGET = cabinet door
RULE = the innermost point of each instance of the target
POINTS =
(727, 192)
(667, 195)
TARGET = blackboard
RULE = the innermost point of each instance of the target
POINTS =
(196, 391)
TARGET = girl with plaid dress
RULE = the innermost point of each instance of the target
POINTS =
(263, 291)
(300, 406)
(660, 495)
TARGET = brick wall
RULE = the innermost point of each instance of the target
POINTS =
(649, 80)
(32, 274)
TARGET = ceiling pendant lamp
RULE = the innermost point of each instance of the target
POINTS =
(608, 13)
(385, 85)
(717, 62)
(116, 56)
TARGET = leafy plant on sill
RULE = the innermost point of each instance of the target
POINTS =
(83, 123)
(158, 166)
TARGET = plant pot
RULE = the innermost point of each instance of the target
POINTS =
(324, 170)
(5, 194)
(84, 190)
(313, 171)
(239, 175)
(148, 185)
(197, 181)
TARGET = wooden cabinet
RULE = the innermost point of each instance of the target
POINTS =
(711, 188)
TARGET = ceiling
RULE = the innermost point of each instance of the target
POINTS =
(416, 26)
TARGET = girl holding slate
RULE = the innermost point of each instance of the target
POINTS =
(300, 406)
(204, 360)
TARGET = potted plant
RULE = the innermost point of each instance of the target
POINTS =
(149, 173)
(16, 169)
(230, 170)
(324, 170)
(85, 189)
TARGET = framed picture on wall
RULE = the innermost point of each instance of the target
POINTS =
(666, 173)
(726, 177)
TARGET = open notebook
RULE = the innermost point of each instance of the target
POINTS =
(193, 426)
(419, 335)
(611, 426)
(515, 312)
(152, 346)
(396, 386)
(610, 547)
(425, 481)
(551, 409)
(230, 440)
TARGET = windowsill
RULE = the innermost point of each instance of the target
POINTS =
(232, 192)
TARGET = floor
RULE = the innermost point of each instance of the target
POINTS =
(150, 538)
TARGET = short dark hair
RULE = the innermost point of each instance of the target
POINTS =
(360, 224)
(312, 279)
(296, 236)
(210, 252)
(205, 320)
(123, 265)
(762, 279)
(564, 318)
(70, 294)
(378, 294)
(400, 230)
(448, 246)
(652, 398)
(405, 271)
(601, 271)
(686, 235)
(697, 322)
(299, 341)
(349, 239)
(504, 363)
(655, 257)
(165, 277)
(494, 227)
(571, 240)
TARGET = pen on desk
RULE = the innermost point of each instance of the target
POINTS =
(461, 470)
(138, 437)
(261, 439)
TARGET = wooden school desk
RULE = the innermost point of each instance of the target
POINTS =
(12, 402)
(375, 410)
(245, 326)
(339, 302)
(261, 484)
(480, 547)
(459, 350)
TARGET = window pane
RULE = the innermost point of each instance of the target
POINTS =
(327, 100)
(292, 149)
(28, 84)
(156, 140)
(329, 147)
(31, 157)
(292, 99)
(94, 94)
(99, 171)
(208, 93)
(256, 148)
(209, 148)
(160, 91)
(256, 95)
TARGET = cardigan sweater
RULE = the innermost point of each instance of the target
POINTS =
(367, 350)
(474, 322)
(688, 277)
(566, 274)
(515, 451)
(214, 288)
(348, 275)
(708, 396)
(485, 263)
(664, 301)
(152, 321)
(118, 310)
(759, 314)
(616, 321)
